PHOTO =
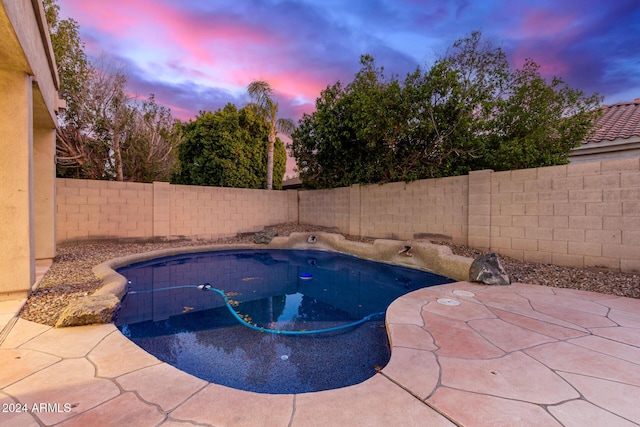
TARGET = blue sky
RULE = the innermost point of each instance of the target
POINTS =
(200, 54)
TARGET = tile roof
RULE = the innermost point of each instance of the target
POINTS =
(618, 121)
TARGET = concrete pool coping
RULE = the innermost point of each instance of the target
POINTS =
(424, 255)
(462, 354)
(99, 307)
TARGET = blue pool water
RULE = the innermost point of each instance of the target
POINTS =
(168, 314)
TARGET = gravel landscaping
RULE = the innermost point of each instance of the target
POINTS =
(71, 276)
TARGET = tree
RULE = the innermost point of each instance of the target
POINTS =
(505, 118)
(111, 111)
(91, 144)
(116, 137)
(262, 94)
(354, 133)
(228, 148)
(76, 155)
(469, 111)
(538, 123)
(105, 133)
(151, 153)
(71, 60)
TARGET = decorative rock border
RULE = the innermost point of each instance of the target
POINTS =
(100, 307)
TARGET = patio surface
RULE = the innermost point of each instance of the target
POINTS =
(519, 355)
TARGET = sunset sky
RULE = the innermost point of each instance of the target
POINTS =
(200, 54)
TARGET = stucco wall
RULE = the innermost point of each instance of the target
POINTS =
(96, 210)
(28, 106)
(618, 149)
(33, 54)
(583, 215)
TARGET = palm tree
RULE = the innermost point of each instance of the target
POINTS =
(262, 95)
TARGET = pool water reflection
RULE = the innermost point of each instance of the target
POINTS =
(166, 314)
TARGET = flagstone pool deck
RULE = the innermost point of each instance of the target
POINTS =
(462, 354)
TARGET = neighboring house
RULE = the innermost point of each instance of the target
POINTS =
(617, 135)
(292, 184)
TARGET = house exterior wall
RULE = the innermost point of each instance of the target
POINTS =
(28, 83)
(17, 247)
(615, 136)
(581, 215)
(99, 210)
(618, 149)
(28, 48)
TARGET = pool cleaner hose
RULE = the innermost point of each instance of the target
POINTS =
(227, 301)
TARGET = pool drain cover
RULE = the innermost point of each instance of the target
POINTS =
(448, 301)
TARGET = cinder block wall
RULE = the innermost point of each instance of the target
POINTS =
(96, 210)
(210, 212)
(326, 208)
(89, 209)
(581, 215)
(435, 209)
(585, 214)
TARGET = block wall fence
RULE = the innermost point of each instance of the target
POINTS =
(98, 210)
(582, 215)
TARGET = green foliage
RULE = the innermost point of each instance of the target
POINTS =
(106, 134)
(228, 148)
(73, 66)
(469, 111)
(539, 124)
(353, 135)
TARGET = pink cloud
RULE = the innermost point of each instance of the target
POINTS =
(173, 43)
(301, 109)
(201, 40)
(544, 23)
(203, 53)
(549, 60)
(544, 33)
(287, 83)
(84, 11)
(208, 39)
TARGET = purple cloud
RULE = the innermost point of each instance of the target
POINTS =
(201, 54)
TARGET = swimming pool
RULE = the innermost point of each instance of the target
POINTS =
(170, 314)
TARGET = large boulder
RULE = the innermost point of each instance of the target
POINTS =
(264, 237)
(89, 310)
(488, 270)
